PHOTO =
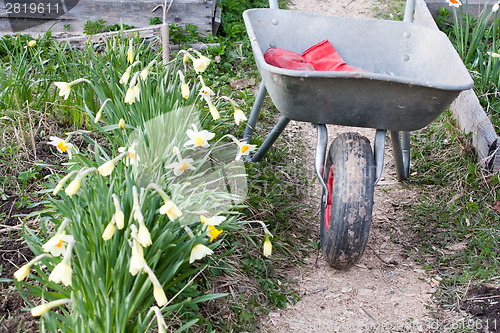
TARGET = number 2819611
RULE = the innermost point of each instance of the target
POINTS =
(32, 8)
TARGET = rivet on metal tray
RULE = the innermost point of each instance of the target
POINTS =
(275, 21)
(406, 57)
(273, 44)
(407, 34)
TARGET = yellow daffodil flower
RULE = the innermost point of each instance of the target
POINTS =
(62, 146)
(130, 52)
(137, 261)
(494, 54)
(171, 209)
(198, 252)
(37, 311)
(145, 72)
(158, 293)
(126, 75)
(122, 124)
(198, 138)
(65, 87)
(244, 149)
(32, 43)
(268, 247)
(213, 232)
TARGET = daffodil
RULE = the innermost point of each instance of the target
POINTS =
(244, 149)
(32, 43)
(73, 187)
(454, 3)
(62, 273)
(63, 182)
(122, 124)
(137, 261)
(56, 245)
(239, 116)
(65, 87)
(132, 94)
(495, 7)
(201, 63)
(136, 208)
(171, 209)
(162, 326)
(184, 87)
(143, 235)
(126, 75)
(37, 311)
(198, 138)
(158, 292)
(494, 54)
(98, 115)
(182, 164)
(130, 52)
(106, 168)
(119, 216)
(199, 251)
(110, 230)
(268, 247)
(132, 158)
(145, 72)
(214, 220)
(213, 232)
(63, 146)
(24, 270)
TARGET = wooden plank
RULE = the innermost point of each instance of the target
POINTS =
(134, 13)
(467, 110)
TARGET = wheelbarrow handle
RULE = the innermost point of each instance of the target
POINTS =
(273, 4)
(409, 9)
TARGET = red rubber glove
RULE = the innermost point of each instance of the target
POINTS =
(324, 57)
(286, 59)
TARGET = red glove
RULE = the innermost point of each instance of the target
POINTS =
(324, 57)
(286, 59)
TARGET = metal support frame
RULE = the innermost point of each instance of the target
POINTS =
(268, 142)
(254, 114)
(378, 153)
(319, 162)
(401, 152)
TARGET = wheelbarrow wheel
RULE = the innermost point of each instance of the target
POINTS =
(346, 215)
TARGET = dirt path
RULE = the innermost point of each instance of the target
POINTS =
(385, 292)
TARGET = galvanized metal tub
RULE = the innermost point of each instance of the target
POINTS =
(413, 72)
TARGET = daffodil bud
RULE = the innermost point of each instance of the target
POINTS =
(43, 308)
(107, 168)
(62, 273)
(109, 231)
(32, 43)
(143, 236)
(268, 247)
(121, 123)
(159, 295)
(73, 186)
(22, 272)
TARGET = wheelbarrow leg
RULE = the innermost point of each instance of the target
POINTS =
(268, 142)
(320, 159)
(254, 114)
(378, 153)
(401, 151)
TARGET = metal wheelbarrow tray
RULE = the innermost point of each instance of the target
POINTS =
(413, 72)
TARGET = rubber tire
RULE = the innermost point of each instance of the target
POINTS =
(343, 240)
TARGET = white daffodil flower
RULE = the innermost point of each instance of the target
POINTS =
(182, 164)
(132, 158)
(171, 209)
(198, 138)
(62, 273)
(244, 149)
(198, 252)
(239, 116)
(65, 87)
(63, 146)
(37, 311)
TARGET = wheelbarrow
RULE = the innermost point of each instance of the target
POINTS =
(412, 75)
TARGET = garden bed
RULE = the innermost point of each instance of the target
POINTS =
(466, 108)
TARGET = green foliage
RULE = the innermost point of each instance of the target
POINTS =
(99, 26)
